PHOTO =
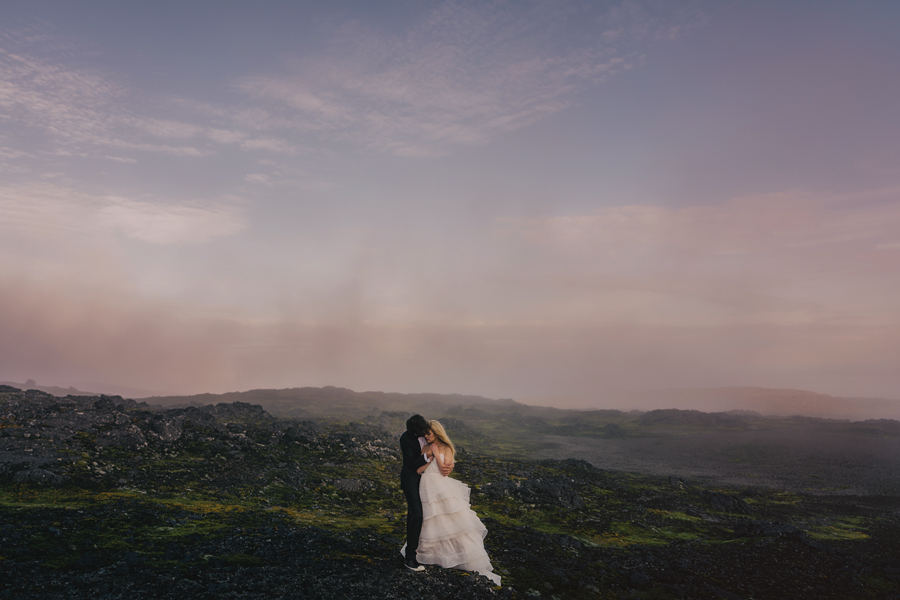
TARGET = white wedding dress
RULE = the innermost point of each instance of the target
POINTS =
(452, 535)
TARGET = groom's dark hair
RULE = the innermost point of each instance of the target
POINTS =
(417, 425)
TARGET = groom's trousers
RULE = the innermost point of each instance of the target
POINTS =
(414, 516)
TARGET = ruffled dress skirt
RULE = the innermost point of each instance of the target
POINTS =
(452, 534)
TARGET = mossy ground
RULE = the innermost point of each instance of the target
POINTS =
(143, 501)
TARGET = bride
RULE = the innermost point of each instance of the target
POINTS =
(452, 535)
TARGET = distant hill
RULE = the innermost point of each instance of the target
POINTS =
(94, 389)
(49, 389)
(769, 401)
(765, 401)
(335, 402)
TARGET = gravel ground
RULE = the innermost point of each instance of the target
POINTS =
(799, 460)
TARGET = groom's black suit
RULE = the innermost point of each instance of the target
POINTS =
(409, 483)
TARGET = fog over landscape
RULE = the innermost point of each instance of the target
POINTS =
(568, 204)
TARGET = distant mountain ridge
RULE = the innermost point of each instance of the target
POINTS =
(54, 390)
(767, 401)
(93, 389)
(336, 402)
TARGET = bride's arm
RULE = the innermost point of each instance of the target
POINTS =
(438, 457)
(446, 466)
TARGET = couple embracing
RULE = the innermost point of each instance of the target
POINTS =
(441, 527)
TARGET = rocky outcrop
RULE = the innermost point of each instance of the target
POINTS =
(576, 463)
(167, 427)
(129, 437)
(353, 485)
(554, 491)
(39, 476)
(42, 438)
(364, 440)
(304, 432)
(726, 503)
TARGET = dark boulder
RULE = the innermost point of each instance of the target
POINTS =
(726, 503)
(39, 476)
(639, 580)
(305, 432)
(129, 437)
(353, 485)
(107, 403)
(581, 465)
(167, 428)
(236, 410)
(499, 489)
(554, 491)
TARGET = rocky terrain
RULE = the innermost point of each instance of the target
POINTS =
(103, 497)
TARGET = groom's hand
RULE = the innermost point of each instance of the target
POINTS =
(446, 469)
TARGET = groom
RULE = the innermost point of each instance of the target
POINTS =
(411, 444)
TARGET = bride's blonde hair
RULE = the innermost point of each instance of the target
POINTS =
(438, 430)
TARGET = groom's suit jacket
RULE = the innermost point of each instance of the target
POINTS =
(412, 460)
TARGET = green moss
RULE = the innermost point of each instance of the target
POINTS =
(847, 528)
(679, 516)
(625, 534)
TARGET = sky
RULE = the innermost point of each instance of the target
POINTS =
(511, 199)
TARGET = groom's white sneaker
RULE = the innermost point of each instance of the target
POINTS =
(412, 565)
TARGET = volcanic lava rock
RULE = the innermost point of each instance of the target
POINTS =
(39, 476)
(726, 503)
(304, 432)
(765, 529)
(676, 482)
(107, 403)
(578, 464)
(237, 410)
(500, 489)
(639, 580)
(366, 440)
(129, 437)
(149, 546)
(353, 485)
(555, 491)
(167, 428)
